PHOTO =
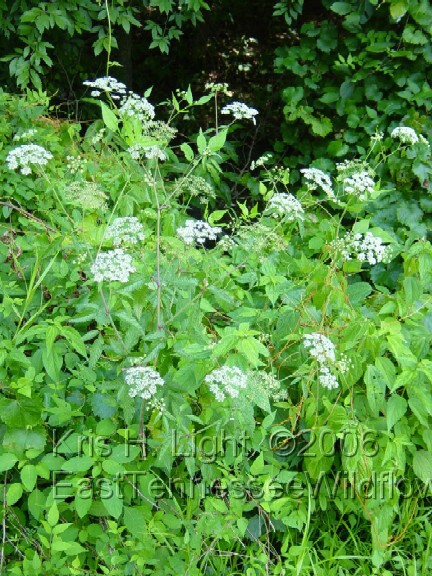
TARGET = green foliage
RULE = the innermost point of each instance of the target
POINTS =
(303, 471)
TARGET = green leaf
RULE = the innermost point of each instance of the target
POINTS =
(82, 505)
(13, 493)
(7, 461)
(113, 504)
(396, 408)
(29, 477)
(53, 515)
(201, 142)
(398, 9)
(36, 503)
(78, 464)
(187, 151)
(258, 465)
(358, 292)
(217, 142)
(422, 465)
(109, 118)
(342, 8)
(74, 338)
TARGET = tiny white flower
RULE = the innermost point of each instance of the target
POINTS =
(143, 382)
(318, 179)
(359, 184)
(113, 265)
(197, 231)
(22, 157)
(405, 134)
(240, 111)
(226, 381)
(283, 205)
(127, 230)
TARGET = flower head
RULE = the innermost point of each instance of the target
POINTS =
(283, 205)
(359, 184)
(127, 230)
(197, 231)
(86, 195)
(405, 135)
(226, 381)
(240, 111)
(113, 265)
(318, 179)
(143, 381)
(28, 154)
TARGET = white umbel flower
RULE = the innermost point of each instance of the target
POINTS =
(197, 231)
(363, 247)
(113, 265)
(226, 381)
(240, 111)
(105, 84)
(316, 178)
(127, 230)
(139, 106)
(320, 347)
(143, 381)
(283, 205)
(405, 134)
(27, 155)
(359, 184)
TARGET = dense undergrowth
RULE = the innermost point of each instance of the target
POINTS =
(192, 385)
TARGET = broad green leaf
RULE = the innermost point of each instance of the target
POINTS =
(13, 493)
(7, 461)
(396, 408)
(29, 477)
(109, 118)
(422, 465)
(78, 464)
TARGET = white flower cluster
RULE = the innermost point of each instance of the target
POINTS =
(76, 164)
(86, 195)
(135, 105)
(113, 265)
(268, 384)
(286, 206)
(408, 136)
(150, 152)
(26, 135)
(106, 84)
(196, 187)
(143, 381)
(323, 351)
(226, 381)
(218, 88)
(359, 184)
(261, 161)
(197, 231)
(317, 178)
(127, 230)
(131, 104)
(23, 156)
(240, 111)
(365, 248)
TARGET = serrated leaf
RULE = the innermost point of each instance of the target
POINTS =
(187, 151)
(113, 504)
(201, 142)
(396, 408)
(78, 464)
(82, 505)
(53, 515)
(422, 465)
